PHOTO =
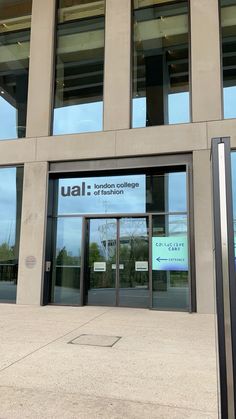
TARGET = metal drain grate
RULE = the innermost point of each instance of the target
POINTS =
(96, 340)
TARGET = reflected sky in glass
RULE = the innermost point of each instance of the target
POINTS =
(229, 102)
(8, 206)
(177, 225)
(120, 194)
(102, 195)
(78, 118)
(69, 233)
(139, 112)
(133, 200)
(8, 117)
(177, 192)
(178, 109)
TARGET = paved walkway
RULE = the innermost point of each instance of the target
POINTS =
(163, 366)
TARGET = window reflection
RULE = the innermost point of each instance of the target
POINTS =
(15, 21)
(137, 193)
(160, 63)
(228, 29)
(170, 278)
(67, 261)
(11, 180)
(78, 105)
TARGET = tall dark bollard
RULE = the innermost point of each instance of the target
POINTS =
(225, 276)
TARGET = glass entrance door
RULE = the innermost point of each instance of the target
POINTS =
(100, 274)
(133, 262)
(65, 287)
(117, 263)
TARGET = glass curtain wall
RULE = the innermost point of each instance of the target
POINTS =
(78, 102)
(163, 195)
(228, 31)
(15, 22)
(170, 254)
(11, 181)
(160, 63)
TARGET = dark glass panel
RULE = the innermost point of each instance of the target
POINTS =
(228, 30)
(166, 192)
(15, 21)
(11, 180)
(78, 104)
(160, 63)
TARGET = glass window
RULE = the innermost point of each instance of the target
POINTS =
(78, 103)
(15, 21)
(160, 63)
(116, 243)
(11, 180)
(170, 266)
(228, 30)
(137, 193)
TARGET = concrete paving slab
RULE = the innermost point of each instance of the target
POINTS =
(174, 380)
(24, 329)
(164, 366)
(30, 403)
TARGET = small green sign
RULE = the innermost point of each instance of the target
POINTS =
(170, 253)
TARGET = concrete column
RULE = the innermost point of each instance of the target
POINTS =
(41, 68)
(33, 222)
(117, 65)
(203, 225)
(205, 61)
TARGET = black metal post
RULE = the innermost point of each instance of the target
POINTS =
(225, 276)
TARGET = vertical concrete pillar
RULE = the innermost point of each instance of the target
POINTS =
(205, 61)
(41, 68)
(117, 65)
(33, 222)
(203, 225)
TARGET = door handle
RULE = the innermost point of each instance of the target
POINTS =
(48, 266)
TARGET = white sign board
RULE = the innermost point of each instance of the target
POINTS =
(99, 266)
(141, 266)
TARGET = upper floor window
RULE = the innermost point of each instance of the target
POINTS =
(15, 22)
(160, 63)
(228, 30)
(78, 102)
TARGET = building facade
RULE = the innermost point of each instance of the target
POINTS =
(107, 113)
